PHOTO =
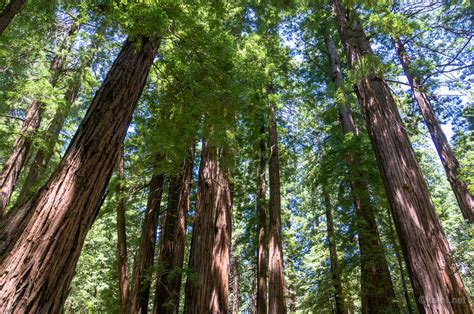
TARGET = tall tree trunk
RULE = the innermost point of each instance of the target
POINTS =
(262, 227)
(436, 282)
(124, 289)
(146, 249)
(45, 152)
(207, 287)
(276, 279)
(168, 284)
(445, 152)
(376, 285)
(36, 274)
(9, 13)
(335, 271)
(235, 286)
(22, 145)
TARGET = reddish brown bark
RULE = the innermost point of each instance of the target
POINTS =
(124, 290)
(376, 285)
(445, 152)
(36, 275)
(207, 287)
(436, 282)
(262, 227)
(170, 260)
(9, 13)
(22, 145)
(276, 279)
(146, 249)
(335, 271)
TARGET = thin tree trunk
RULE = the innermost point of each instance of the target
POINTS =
(376, 285)
(22, 145)
(207, 287)
(45, 152)
(124, 289)
(36, 274)
(262, 227)
(9, 13)
(276, 279)
(235, 286)
(436, 282)
(146, 250)
(445, 152)
(170, 260)
(335, 272)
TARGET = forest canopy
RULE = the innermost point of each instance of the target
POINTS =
(174, 156)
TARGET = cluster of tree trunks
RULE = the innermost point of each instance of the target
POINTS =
(432, 270)
(207, 287)
(376, 285)
(36, 275)
(445, 152)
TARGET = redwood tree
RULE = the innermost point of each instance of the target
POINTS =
(9, 13)
(207, 286)
(36, 275)
(445, 152)
(376, 285)
(436, 282)
(171, 256)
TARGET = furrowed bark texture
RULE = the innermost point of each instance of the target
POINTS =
(376, 285)
(262, 227)
(171, 256)
(124, 290)
(445, 152)
(22, 145)
(207, 287)
(336, 276)
(35, 275)
(276, 279)
(436, 282)
(9, 13)
(146, 249)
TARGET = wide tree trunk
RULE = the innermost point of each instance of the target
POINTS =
(45, 152)
(9, 13)
(146, 249)
(207, 287)
(276, 279)
(445, 152)
(124, 290)
(262, 227)
(36, 274)
(335, 271)
(168, 284)
(22, 145)
(235, 286)
(376, 285)
(436, 282)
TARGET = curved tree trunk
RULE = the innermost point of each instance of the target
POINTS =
(36, 275)
(436, 282)
(445, 152)
(276, 279)
(168, 284)
(9, 13)
(207, 287)
(262, 227)
(335, 271)
(376, 285)
(124, 290)
(146, 250)
(22, 145)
